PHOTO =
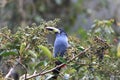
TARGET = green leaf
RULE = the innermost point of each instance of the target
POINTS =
(46, 51)
(9, 52)
(42, 63)
(118, 50)
(70, 70)
(32, 53)
(81, 48)
(106, 56)
(39, 64)
(61, 59)
(22, 47)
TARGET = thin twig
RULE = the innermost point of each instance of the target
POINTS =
(44, 69)
(27, 47)
(6, 37)
(24, 69)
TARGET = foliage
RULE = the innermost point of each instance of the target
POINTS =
(24, 12)
(29, 46)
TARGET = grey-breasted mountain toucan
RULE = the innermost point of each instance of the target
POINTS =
(60, 46)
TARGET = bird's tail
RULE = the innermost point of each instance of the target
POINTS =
(57, 70)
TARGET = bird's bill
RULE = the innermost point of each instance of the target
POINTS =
(53, 29)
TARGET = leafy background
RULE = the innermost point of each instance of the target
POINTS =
(27, 46)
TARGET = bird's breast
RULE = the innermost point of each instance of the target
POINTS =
(61, 41)
(60, 45)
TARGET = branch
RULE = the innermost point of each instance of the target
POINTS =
(45, 72)
(9, 73)
(13, 69)
(6, 37)
(24, 69)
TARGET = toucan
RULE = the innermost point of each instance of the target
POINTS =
(60, 46)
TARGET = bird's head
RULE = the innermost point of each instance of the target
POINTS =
(56, 30)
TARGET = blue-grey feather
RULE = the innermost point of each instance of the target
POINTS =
(60, 44)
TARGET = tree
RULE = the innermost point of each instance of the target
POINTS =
(90, 57)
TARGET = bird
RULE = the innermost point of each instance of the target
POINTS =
(60, 46)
